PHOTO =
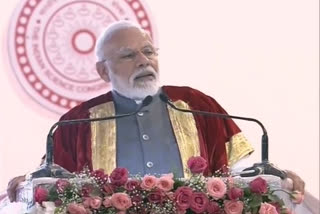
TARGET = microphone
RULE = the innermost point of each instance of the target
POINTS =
(248, 173)
(258, 168)
(50, 169)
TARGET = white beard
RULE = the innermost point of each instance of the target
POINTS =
(134, 88)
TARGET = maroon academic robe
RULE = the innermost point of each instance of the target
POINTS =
(72, 144)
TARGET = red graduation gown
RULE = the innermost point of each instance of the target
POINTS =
(72, 144)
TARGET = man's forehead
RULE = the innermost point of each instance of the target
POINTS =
(128, 33)
(128, 39)
(130, 48)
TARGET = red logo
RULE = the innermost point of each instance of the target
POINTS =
(51, 46)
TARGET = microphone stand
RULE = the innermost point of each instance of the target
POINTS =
(50, 169)
(265, 167)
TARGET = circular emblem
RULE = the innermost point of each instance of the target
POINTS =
(51, 46)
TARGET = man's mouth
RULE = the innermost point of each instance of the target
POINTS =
(142, 76)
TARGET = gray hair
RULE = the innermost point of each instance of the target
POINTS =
(107, 34)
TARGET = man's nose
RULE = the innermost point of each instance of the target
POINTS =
(142, 60)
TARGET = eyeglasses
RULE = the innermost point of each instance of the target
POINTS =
(127, 54)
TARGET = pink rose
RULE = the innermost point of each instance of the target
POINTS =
(132, 185)
(95, 202)
(170, 195)
(119, 176)
(156, 196)
(107, 202)
(86, 202)
(62, 185)
(259, 186)
(100, 175)
(199, 202)
(266, 208)
(148, 182)
(74, 208)
(121, 201)
(297, 197)
(213, 208)
(197, 164)
(276, 205)
(109, 189)
(216, 188)
(183, 196)
(235, 193)
(165, 183)
(168, 175)
(233, 207)
(40, 195)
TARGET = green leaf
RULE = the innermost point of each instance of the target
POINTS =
(255, 210)
(255, 201)
(247, 192)
(53, 195)
(189, 211)
(178, 183)
(273, 198)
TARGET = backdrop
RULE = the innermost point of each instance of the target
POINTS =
(256, 58)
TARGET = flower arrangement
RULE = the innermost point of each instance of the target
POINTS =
(98, 193)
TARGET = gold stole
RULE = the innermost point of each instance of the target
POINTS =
(237, 148)
(103, 138)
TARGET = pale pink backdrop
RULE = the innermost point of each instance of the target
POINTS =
(257, 58)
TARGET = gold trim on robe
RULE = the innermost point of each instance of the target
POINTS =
(237, 148)
(103, 138)
(185, 130)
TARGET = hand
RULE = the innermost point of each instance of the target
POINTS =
(297, 183)
(12, 186)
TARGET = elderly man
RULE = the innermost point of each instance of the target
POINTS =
(158, 139)
(128, 59)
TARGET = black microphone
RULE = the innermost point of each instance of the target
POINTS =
(249, 172)
(258, 168)
(50, 169)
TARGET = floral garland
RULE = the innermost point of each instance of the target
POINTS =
(97, 193)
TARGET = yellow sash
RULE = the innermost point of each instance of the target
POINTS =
(103, 138)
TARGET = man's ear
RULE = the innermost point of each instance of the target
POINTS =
(102, 71)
